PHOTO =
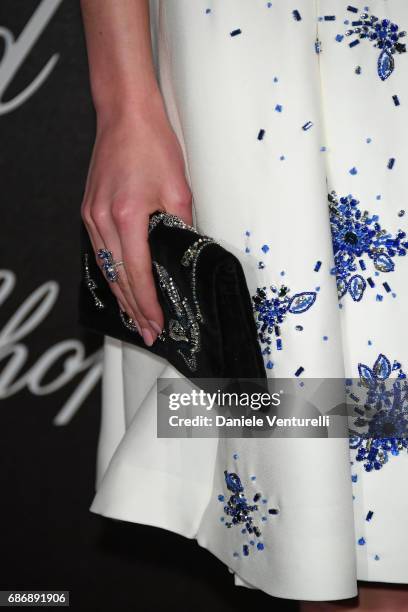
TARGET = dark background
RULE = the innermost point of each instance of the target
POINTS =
(49, 539)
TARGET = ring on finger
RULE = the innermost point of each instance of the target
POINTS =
(109, 265)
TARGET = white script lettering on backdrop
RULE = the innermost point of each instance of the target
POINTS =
(14, 353)
(16, 50)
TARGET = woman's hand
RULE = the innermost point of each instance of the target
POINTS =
(137, 167)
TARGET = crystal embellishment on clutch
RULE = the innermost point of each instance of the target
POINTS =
(183, 327)
(190, 258)
(90, 283)
(170, 221)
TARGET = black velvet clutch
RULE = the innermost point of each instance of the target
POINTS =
(209, 330)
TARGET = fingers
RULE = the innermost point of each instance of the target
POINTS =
(98, 242)
(132, 225)
(121, 227)
(103, 234)
(132, 219)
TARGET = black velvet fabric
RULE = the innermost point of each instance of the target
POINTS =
(229, 344)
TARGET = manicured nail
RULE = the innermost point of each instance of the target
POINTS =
(147, 337)
(156, 327)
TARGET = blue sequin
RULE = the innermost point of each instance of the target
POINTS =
(240, 512)
(383, 412)
(271, 307)
(385, 64)
(384, 35)
(307, 125)
(355, 234)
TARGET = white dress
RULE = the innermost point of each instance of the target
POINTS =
(277, 106)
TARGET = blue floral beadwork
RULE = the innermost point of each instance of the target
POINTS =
(356, 234)
(382, 412)
(271, 307)
(384, 34)
(241, 512)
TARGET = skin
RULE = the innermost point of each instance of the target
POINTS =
(137, 165)
(136, 168)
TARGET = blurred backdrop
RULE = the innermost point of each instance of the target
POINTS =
(50, 369)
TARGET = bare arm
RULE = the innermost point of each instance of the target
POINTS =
(137, 165)
(120, 59)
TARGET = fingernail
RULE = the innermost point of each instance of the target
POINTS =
(147, 337)
(156, 327)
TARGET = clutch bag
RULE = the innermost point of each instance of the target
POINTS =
(209, 329)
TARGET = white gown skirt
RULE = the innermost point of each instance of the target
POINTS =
(276, 106)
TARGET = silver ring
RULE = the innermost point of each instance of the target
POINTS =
(109, 265)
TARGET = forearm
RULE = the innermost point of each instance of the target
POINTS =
(120, 57)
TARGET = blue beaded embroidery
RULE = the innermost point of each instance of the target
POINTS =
(241, 512)
(383, 411)
(354, 235)
(238, 508)
(271, 308)
(385, 36)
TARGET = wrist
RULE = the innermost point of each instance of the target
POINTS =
(130, 105)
